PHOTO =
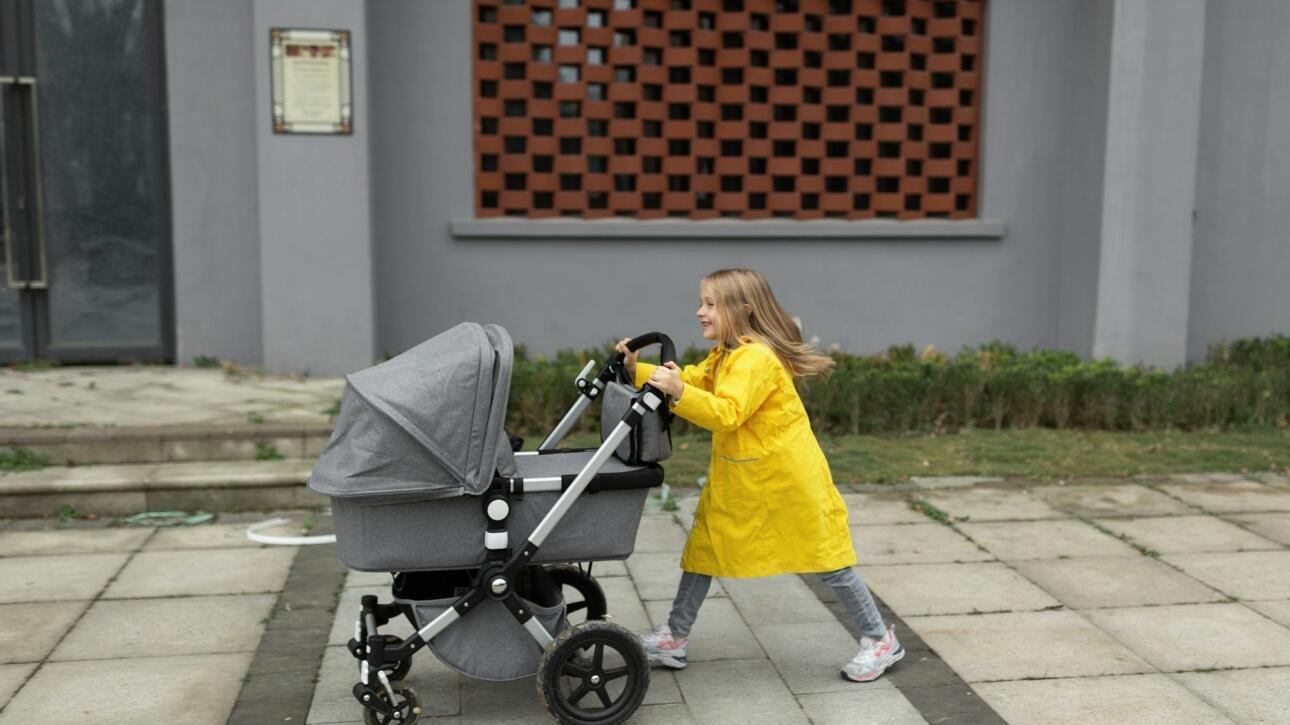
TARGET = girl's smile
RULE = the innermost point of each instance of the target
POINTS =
(707, 312)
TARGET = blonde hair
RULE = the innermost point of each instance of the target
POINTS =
(749, 309)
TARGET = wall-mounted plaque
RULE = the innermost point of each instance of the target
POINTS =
(311, 81)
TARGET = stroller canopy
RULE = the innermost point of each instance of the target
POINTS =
(426, 424)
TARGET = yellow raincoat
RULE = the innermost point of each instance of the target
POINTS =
(769, 506)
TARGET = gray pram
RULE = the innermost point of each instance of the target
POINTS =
(419, 469)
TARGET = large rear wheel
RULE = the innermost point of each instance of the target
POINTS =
(594, 673)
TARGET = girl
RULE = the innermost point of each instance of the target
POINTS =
(770, 506)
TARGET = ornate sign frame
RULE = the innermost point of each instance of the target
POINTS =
(311, 81)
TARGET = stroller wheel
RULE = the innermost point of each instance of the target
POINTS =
(590, 602)
(592, 674)
(397, 670)
(405, 704)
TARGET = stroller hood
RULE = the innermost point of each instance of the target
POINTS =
(426, 424)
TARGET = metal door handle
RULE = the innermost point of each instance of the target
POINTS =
(41, 281)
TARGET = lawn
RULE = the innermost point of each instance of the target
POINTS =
(1037, 453)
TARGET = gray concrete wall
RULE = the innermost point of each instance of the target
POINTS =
(1242, 246)
(864, 295)
(209, 71)
(1153, 111)
(315, 214)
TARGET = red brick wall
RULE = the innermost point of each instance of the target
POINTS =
(723, 108)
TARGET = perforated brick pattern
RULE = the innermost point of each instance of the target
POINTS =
(748, 109)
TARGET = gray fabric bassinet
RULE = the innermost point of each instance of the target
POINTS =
(419, 439)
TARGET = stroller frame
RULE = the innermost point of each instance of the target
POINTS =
(497, 578)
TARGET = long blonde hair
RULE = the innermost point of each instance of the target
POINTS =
(749, 309)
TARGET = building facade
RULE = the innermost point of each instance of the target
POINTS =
(1124, 191)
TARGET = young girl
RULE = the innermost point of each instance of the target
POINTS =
(770, 506)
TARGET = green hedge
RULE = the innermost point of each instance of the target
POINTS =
(1242, 383)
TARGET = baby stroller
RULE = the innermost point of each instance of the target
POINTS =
(419, 469)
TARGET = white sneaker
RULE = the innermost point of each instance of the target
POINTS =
(874, 658)
(664, 649)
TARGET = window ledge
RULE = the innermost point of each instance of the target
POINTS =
(825, 229)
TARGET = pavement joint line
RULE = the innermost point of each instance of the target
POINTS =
(946, 701)
(274, 695)
(41, 664)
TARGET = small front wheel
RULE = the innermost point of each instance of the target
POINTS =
(407, 708)
(593, 673)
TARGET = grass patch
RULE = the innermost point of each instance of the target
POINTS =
(266, 452)
(1032, 453)
(255, 418)
(22, 459)
(33, 365)
(206, 361)
(931, 511)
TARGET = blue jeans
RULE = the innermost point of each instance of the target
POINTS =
(845, 582)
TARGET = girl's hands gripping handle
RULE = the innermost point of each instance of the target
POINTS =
(666, 377)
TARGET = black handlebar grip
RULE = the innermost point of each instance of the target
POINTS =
(651, 338)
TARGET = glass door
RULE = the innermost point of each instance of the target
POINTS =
(87, 209)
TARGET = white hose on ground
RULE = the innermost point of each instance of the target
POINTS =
(253, 533)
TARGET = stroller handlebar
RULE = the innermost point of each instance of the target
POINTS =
(651, 338)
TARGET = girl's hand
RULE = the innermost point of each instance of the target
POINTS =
(667, 377)
(629, 357)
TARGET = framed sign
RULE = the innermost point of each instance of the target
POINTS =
(310, 72)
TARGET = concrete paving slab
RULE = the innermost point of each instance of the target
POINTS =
(146, 627)
(1250, 696)
(603, 569)
(70, 541)
(1246, 575)
(1275, 527)
(1139, 699)
(950, 481)
(1278, 611)
(1097, 582)
(912, 544)
(1016, 541)
(30, 631)
(370, 579)
(659, 534)
(57, 578)
(1129, 499)
(214, 536)
(658, 574)
(873, 706)
(662, 715)
(11, 678)
(1198, 636)
(1188, 534)
(1235, 497)
(871, 509)
(504, 703)
(208, 571)
(784, 599)
(188, 689)
(738, 691)
(663, 689)
(922, 589)
(991, 504)
(809, 656)
(623, 603)
(719, 633)
(1022, 645)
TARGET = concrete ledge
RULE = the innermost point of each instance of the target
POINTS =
(160, 444)
(771, 229)
(115, 490)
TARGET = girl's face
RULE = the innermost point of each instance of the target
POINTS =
(709, 317)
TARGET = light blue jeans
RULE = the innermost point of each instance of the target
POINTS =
(845, 582)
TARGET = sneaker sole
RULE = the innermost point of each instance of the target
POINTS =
(895, 657)
(667, 661)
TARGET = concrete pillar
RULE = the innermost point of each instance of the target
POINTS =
(315, 213)
(1153, 122)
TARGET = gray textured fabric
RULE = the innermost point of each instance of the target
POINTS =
(425, 424)
(649, 442)
(488, 643)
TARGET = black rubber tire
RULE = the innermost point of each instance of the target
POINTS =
(400, 670)
(592, 606)
(404, 697)
(589, 658)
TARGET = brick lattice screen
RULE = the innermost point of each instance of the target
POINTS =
(848, 109)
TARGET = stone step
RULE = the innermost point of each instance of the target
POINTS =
(125, 489)
(168, 444)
